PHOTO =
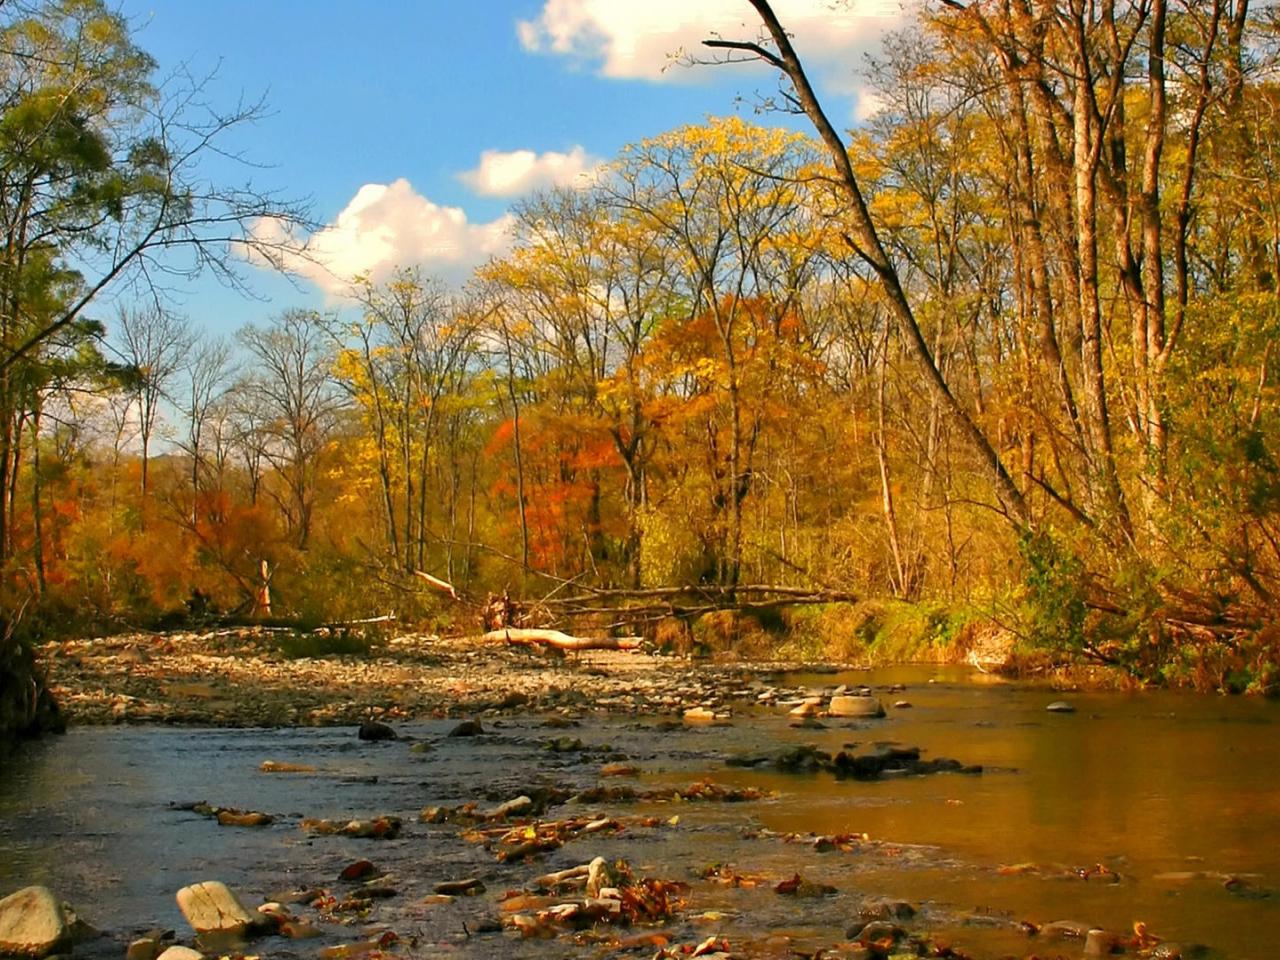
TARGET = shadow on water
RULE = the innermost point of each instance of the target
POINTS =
(1177, 795)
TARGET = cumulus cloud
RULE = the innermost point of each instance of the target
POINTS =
(639, 40)
(385, 226)
(515, 172)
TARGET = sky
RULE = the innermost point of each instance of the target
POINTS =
(412, 127)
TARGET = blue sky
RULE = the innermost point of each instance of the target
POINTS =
(383, 113)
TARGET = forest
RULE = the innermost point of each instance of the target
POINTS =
(999, 358)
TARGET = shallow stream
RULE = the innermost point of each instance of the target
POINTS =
(1176, 796)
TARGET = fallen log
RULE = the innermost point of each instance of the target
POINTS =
(531, 637)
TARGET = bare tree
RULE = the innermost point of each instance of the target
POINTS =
(153, 345)
(209, 371)
(294, 387)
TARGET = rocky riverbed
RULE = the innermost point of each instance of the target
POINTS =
(243, 678)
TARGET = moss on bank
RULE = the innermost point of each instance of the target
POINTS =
(871, 633)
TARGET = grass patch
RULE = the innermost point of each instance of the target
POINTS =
(328, 643)
(878, 631)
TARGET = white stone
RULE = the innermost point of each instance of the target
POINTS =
(181, 953)
(32, 923)
(211, 907)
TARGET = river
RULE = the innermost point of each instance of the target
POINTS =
(1177, 796)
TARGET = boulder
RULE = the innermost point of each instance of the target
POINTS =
(210, 907)
(856, 707)
(1060, 706)
(32, 923)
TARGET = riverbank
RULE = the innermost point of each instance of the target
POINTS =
(261, 678)
(276, 678)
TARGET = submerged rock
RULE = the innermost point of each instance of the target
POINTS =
(886, 910)
(1100, 943)
(1060, 706)
(1064, 930)
(32, 923)
(467, 728)
(211, 907)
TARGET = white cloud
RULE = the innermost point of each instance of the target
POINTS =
(638, 40)
(385, 226)
(511, 173)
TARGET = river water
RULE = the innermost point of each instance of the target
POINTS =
(1177, 796)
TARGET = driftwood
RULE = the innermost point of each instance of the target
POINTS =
(654, 603)
(442, 585)
(530, 637)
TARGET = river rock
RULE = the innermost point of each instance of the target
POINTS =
(704, 717)
(358, 870)
(886, 910)
(144, 948)
(1170, 950)
(1060, 706)
(375, 730)
(32, 923)
(299, 930)
(210, 907)
(467, 728)
(856, 707)
(512, 808)
(469, 887)
(876, 930)
(1064, 930)
(181, 953)
(1100, 943)
(806, 708)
